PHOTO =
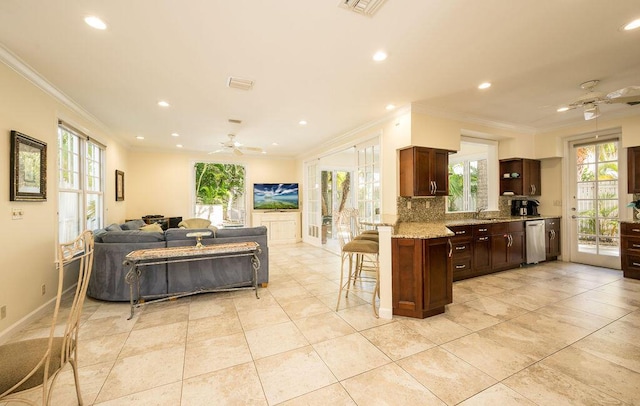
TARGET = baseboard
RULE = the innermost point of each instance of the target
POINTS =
(384, 313)
(23, 322)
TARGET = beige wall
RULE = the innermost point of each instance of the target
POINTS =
(163, 182)
(28, 245)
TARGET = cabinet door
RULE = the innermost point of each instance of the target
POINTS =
(407, 279)
(552, 231)
(415, 172)
(437, 276)
(633, 170)
(499, 251)
(440, 172)
(532, 184)
(516, 248)
(481, 254)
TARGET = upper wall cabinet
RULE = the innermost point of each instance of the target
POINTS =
(523, 176)
(424, 171)
(633, 168)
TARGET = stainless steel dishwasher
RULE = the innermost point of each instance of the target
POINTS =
(535, 241)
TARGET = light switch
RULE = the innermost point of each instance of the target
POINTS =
(17, 214)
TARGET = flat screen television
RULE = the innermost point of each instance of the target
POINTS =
(275, 196)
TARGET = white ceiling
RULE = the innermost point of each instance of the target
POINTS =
(311, 60)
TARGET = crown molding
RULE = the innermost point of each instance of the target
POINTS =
(23, 69)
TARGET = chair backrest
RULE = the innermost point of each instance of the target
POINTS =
(78, 251)
(346, 223)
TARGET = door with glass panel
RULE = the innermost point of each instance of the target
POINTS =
(311, 221)
(594, 209)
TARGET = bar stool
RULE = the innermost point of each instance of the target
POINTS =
(362, 255)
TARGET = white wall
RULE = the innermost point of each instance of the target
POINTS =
(29, 245)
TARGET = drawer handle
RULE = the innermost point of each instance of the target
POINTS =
(635, 264)
(482, 229)
(460, 266)
(636, 230)
(635, 245)
(461, 232)
(483, 238)
(461, 248)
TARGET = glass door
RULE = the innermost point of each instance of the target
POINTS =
(311, 222)
(594, 211)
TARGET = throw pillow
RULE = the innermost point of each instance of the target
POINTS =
(154, 228)
(114, 227)
(133, 224)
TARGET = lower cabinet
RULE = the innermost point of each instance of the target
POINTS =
(630, 249)
(552, 242)
(422, 276)
(507, 245)
(282, 227)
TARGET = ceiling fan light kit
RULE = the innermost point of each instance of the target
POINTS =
(235, 147)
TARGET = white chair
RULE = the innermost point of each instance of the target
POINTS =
(34, 364)
(362, 256)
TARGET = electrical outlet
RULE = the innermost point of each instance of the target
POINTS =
(44, 288)
(3, 312)
(427, 204)
(408, 204)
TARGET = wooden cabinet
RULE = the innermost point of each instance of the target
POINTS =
(528, 182)
(421, 276)
(462, 251)
(552, 238)
(630, 249)
(481, 249)
(424, 171)
(507, 245)
(282, 227)
(633, 170)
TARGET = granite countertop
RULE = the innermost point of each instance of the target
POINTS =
(422, 230)
(437, 229)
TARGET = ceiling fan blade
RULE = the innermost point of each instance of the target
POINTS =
(254, 149)
(630, 94)
(237, 152)
(216, 151)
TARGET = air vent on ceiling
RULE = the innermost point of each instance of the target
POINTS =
(239, 83)
(235, 121)
(364, 7)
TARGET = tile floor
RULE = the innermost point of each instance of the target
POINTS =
(551, 334)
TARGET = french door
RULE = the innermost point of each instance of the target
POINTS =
(595, 201)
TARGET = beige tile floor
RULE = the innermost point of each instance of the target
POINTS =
(551, 334)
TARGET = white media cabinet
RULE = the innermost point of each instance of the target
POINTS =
(283, 227)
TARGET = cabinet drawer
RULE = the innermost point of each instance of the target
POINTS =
(516, 226)
(460, 231)
(481, 229)
(630, 229)
(631, 244)
(461, 249)
(629, 262)
(461, 265)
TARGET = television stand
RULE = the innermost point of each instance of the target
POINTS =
(283, 227)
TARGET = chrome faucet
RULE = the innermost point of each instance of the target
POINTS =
(477, 212)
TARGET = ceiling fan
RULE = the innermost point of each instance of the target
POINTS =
(592, 99)
(234, 146)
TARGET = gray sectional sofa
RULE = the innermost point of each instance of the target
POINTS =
(112, 245)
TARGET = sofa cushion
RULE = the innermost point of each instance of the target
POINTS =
(174, 234)
(113, 227)
(132, 236)
(241, 232)
(150, 228)
(97, 234)
(133, 224)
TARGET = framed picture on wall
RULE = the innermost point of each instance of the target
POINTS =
(28, 171)
(119, 186)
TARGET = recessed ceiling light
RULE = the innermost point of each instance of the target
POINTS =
(562, 109)
(275, 144)
(484, 85)
(390, 107)
(302, 122)
(632, 25)
(379, 56)
(140, 137)
(175, 134)
(179, 145)
(95, 22)
(163, 103)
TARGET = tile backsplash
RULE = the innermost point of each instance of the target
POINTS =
(424, 209)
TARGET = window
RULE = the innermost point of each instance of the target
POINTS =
(469, 172)
(220, 191)
(81, 183)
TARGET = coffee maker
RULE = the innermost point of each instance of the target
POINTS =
(524, 207)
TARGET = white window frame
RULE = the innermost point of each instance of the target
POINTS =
(88, 183)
